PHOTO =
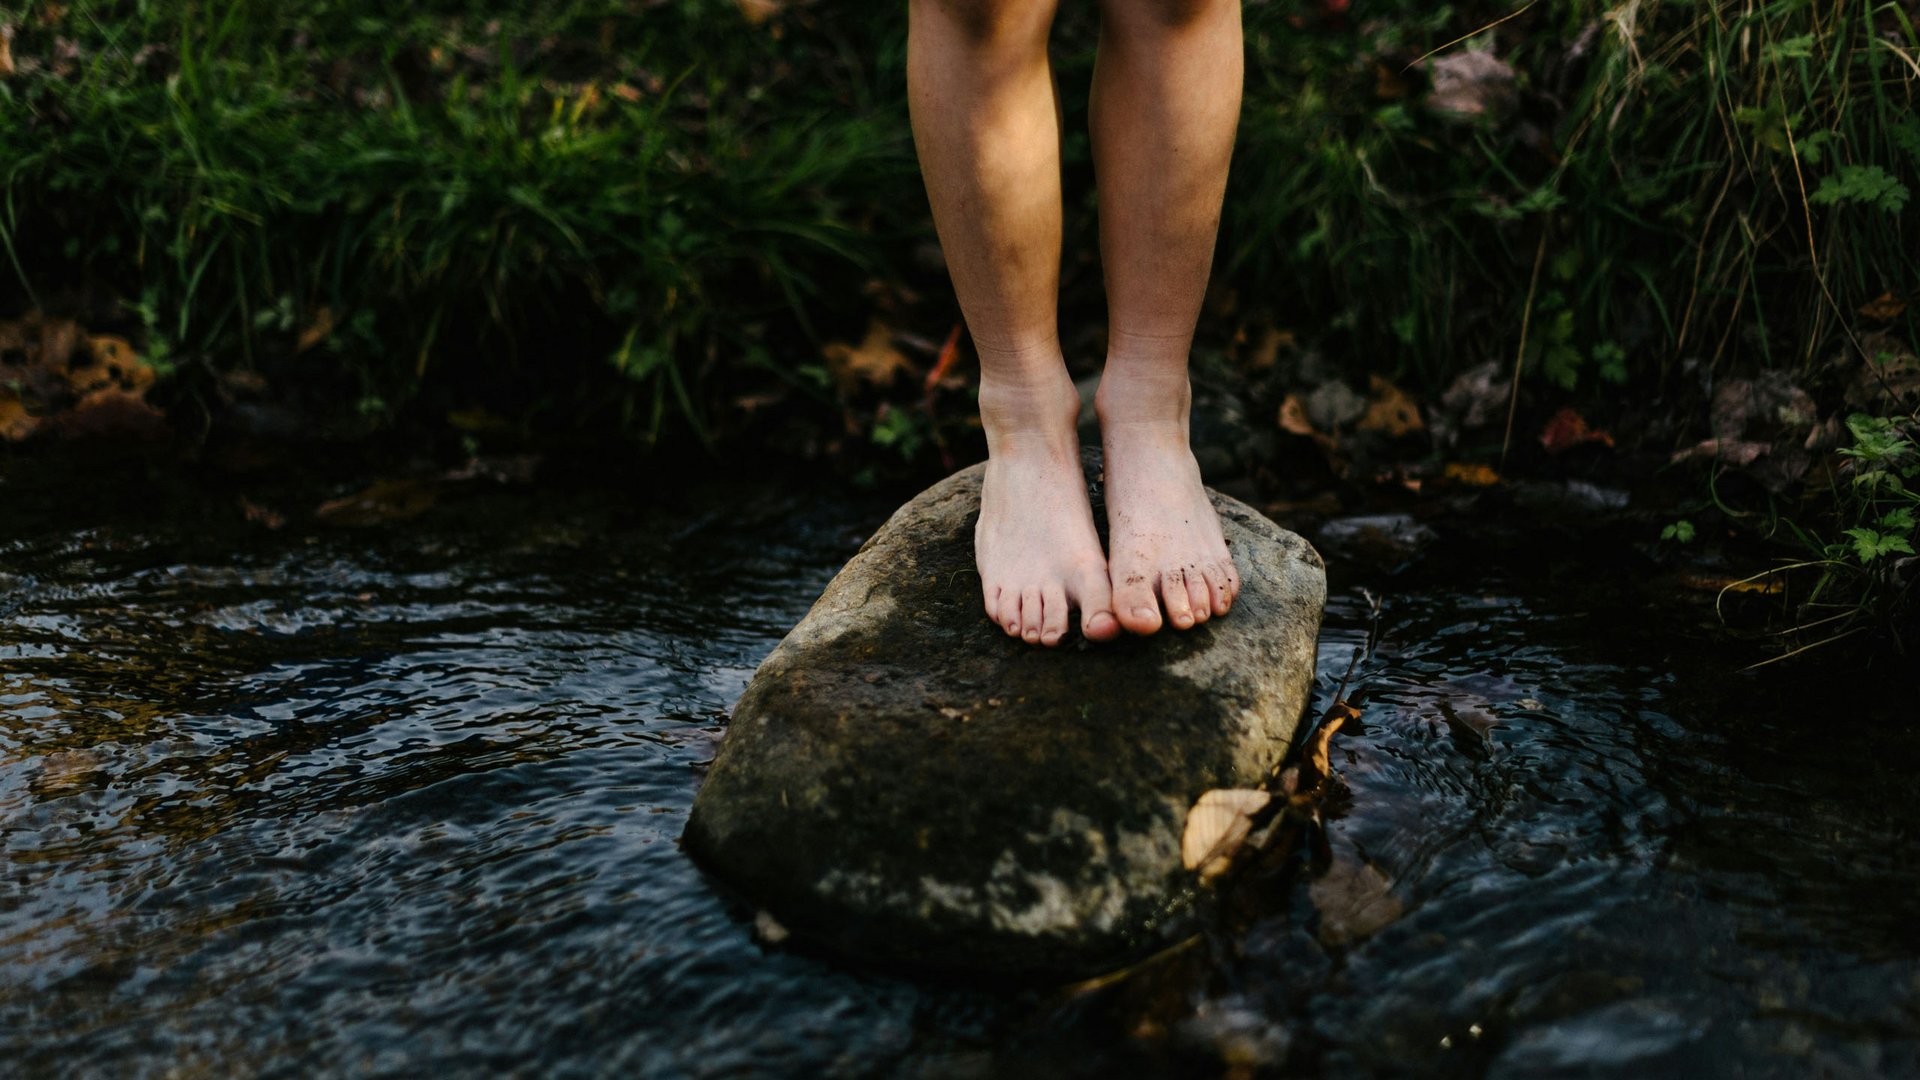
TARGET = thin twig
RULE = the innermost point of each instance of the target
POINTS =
(1804, 648)
(1514, 14)
(1520, 356)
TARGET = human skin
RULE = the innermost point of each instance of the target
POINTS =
(985, 116)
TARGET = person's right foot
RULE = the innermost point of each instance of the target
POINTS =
(1035, 545)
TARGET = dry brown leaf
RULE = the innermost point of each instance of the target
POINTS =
(1468, 474)
(317, 331)
(111, 413)
(381, 501)
(1267, 352)
(1765, 586)
(1884, 308)
(874, 361)
(1392, 412)
(1293, 416)
(1568, 429)
(16, 423)
(1216, 827)
(58, 340)
(6, 52)
(1736, 452)
(262, 515)
(759, 11)
(1355, 900)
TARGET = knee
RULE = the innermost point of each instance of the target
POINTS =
(989, 22)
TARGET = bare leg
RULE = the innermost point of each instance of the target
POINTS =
(986, 127)
(1166, 101)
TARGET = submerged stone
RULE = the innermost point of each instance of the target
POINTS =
(904, 782)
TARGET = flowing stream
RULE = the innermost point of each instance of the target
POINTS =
(403, 800)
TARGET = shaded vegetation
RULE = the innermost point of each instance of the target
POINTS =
(1690, 221)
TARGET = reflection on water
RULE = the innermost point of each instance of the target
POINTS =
(406, 798)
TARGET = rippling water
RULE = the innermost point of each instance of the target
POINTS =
(403, 800)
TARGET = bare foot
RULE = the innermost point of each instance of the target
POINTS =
(1168, 554)
(1035, 543)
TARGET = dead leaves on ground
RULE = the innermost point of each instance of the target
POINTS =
(876, 361)
(1221, 824)
(56, 379)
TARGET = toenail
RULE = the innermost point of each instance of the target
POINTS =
(1143, 612)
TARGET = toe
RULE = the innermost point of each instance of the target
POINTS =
(1095, 595)
(1031, 612)
(991, 596)
(1134, 603)
(1008, 612)
(1217, 590)
(1173, 593)
(1199, 594)
(1053, 622)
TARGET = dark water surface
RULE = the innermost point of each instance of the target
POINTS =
(403, 800)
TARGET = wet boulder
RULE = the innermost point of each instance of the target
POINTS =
(905, 783)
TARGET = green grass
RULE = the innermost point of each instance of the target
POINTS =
(634, 216)
(628, 197)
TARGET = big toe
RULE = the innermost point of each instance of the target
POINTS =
(1135, 606)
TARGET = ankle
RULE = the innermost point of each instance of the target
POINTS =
(1035, 410)
(1131, 398)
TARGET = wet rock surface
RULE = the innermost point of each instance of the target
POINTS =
(903, 782)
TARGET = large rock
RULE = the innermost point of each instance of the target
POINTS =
(904, 782)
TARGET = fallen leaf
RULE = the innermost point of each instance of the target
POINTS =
(1469, 84)
(759, 11)
(943, 363)
(769, 929)
(6, 52)
(317, 331)
(1216, 827)
(381, 501)
(1760, 407)
(1391, 412)
(58, 340)
(1765, 585)
(1468, 474)
(261, 515)
(1735, 452)
(1267, 352)
(16, 424)
(112, 413)
(1293, 416)
(1355, 900)
(874, 361)
(122, 364)
(1316, 762)
(1569, 429)
(1884, 308)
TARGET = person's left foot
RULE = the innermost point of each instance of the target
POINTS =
(1166, 554)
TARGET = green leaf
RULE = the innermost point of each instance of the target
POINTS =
(1793, 48)
(1681, 531)
(1870, 544)
(1869, 185)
